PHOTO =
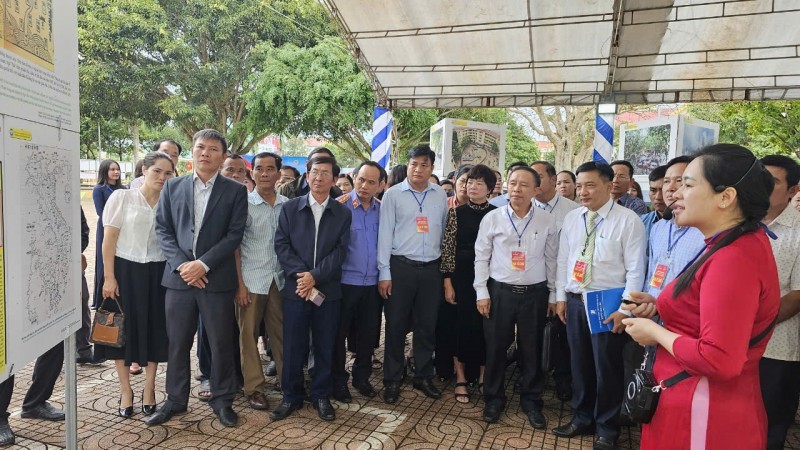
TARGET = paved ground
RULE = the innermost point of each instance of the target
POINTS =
(414, 422)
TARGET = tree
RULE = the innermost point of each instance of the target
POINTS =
(569, 128)
(316, 90)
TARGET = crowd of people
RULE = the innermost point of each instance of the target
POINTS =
(474, 268)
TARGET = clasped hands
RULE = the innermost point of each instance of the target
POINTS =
(194, 274)
(305, 283)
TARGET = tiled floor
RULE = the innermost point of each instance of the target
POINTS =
(414, 422)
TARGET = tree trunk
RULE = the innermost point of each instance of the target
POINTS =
(135, 136)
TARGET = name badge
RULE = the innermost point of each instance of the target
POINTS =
(518, 260)
(422, 224)
(659, 276)
(579, 271)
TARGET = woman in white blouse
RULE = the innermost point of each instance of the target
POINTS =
(134, 266)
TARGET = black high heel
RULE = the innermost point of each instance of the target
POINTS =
(128, 411)
(148, 409)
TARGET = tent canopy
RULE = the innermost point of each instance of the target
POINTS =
(507, 53)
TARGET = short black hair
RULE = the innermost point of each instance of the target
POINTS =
(319, 150)
(447, 182)
(158, 144)
(683, 159)
(323, 160)
(657, 174)
(346, 177)
(604, 170)
(209, 133)
(278, 160)
(622, 162)
(382, 177)
(571, 175)
(292, 168)
(498, 174)
(516, 164)
(549, 168)
(536, 178)
(791, 167)
(463, 169)
(422, 150)
(234, 156)
(482, 172)
(437, 178)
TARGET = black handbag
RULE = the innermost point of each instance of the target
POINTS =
(643, 391)
(549, 344)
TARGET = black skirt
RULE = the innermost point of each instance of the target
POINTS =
(141, 297)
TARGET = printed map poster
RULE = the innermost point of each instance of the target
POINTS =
(41, 210)
(39, 61)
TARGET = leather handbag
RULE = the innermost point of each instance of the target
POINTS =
(549, 343)
(643, 391)
(108, 327)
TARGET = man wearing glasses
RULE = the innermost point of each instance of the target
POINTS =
(312, 289)
(623, 174)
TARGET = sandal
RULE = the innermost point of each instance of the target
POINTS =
(462, 398)
(480, 388)
(205, 391)
(135, 370)
(377, 364)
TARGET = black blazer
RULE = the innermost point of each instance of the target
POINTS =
(294, 244)
(220, 233)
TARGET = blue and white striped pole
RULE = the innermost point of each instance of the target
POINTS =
(382, 135)
(603, 138)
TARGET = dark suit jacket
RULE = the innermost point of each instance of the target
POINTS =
(220, 233)
(294, 244)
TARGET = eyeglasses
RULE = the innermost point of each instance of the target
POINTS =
(320, 173)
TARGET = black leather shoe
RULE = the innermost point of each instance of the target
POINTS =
(604, 443)
(284, 410)
(365, 389)
(45, 411)
(428, 388)
(537, 419)
(164, 414)
(491, 412)
(342, 394)
(7, 436)
(227, 416)
(324, 409)
(391, 392)
(272, 369)
(89, 360)
(571, 430)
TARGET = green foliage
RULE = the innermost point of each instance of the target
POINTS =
(763, 127)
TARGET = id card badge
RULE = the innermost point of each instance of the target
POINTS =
(518, 260)
(422, 224)
(579, 270)
(660, 274)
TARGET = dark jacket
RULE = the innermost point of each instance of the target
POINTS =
(294, 244)
(220, 233)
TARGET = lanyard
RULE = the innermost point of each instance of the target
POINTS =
(552, 208)
(703, 250)
(419, 202)
(589, 234)
(670, 245)
(519, 235)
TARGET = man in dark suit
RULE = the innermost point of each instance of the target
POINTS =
(200, 222)
(311, 244)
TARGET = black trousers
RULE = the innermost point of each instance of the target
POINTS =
(204, 359)
(45, 374)
(446, 339)
(82, 346)
(597, 372)
(562, 369)
(416, 294)
(359, 318)
(528, 311)
(217, 309)
(780, 387)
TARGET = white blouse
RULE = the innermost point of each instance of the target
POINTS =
(129, 211)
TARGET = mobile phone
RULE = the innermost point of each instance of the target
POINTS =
(317, 297)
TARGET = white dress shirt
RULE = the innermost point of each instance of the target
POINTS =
(784, 344)
(202, 192)
(558, 207)
(497, 239)
(618, 258)
(129, 212)
(317, 209)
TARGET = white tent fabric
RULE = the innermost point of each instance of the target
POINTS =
(469, 53)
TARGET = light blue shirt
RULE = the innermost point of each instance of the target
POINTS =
(686, 244)
(397, 233)
(259, 261)
(500, 200)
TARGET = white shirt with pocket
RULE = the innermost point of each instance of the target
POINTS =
(128, 211)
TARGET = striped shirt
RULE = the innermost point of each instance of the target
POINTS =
(686, 243)
(259, 261)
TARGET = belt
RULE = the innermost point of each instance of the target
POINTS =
(417, 264)
(520, 288)
(574, 295)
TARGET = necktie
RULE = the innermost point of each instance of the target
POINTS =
(589, 247)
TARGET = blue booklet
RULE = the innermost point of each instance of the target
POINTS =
(600, 305)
